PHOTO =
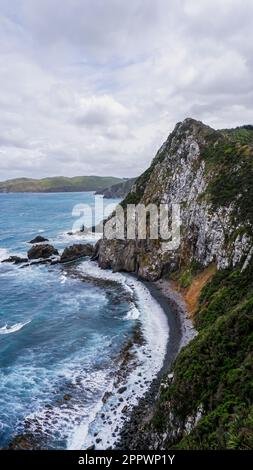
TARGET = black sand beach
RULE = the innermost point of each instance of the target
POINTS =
(132, 435)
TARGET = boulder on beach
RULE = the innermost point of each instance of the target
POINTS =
(42, 251)
(70, 253)
(15, 260)
(38, 239)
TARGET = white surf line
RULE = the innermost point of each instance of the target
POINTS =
(5, 330)
(150, 358)
(4, 253)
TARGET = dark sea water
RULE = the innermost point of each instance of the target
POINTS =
(62, 332)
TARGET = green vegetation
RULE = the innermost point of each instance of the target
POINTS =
(58, 184)
(140, 184)
(214, 372)
(230, 164)
(209, 402)
(119, 190)
(242, 134)
(186, 274)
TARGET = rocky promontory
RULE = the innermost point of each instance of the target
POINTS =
(206, 401)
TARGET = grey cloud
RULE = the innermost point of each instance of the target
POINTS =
(88, 86)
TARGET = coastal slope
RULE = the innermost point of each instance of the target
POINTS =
(206, 402)
(58, 184)
(119, 190)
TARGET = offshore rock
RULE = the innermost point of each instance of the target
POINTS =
(15, 260)
(42, 251)
(76, 251)
(38, 239)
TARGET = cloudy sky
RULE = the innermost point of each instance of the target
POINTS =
(95, 86)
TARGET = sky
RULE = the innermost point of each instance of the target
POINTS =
(96, 86)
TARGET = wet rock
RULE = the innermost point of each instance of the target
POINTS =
(92, 447)
(67, 397)
(15, 260)
(41, 261)
(106, 396)
(38, 239)
(22, 442)
(54, 261)
(42, 251)
(76, 251)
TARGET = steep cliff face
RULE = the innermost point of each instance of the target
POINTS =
(206, 402)
(119, 190)
(209, 174)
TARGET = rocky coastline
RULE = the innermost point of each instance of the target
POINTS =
(131, 435)
(135, 433)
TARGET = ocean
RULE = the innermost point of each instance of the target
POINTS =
(78, 345)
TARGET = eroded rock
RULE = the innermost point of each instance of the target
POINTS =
(42, 251)
(76, 251)
(38, 239)
(15, 260)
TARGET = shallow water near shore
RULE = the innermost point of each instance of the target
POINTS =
(78, 345)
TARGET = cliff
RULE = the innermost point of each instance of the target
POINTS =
(209, 173)
(119, 190)
(206, 402)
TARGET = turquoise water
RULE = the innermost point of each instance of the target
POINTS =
(23, 216)
(62, 330)
(68, 324)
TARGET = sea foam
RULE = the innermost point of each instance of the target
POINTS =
(6, 329)
(149, 359)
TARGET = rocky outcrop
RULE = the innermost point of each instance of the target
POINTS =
(76, 251)
(208, 173)
(38, 239)
(206, 401)
(42, 251)
(15, 260)
(119, 190)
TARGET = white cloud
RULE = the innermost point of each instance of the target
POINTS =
(95, 87)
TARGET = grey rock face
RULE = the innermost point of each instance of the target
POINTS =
(179, 174)
(38, 239)
(15, 260)
(76, 251)
(42, 251)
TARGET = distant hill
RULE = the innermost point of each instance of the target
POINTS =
(58, 184)
(119, 190)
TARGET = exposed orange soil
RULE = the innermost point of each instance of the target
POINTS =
(191, 295)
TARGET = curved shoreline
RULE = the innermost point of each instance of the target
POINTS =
(135, 375)
(181, 332)
(137, 414)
